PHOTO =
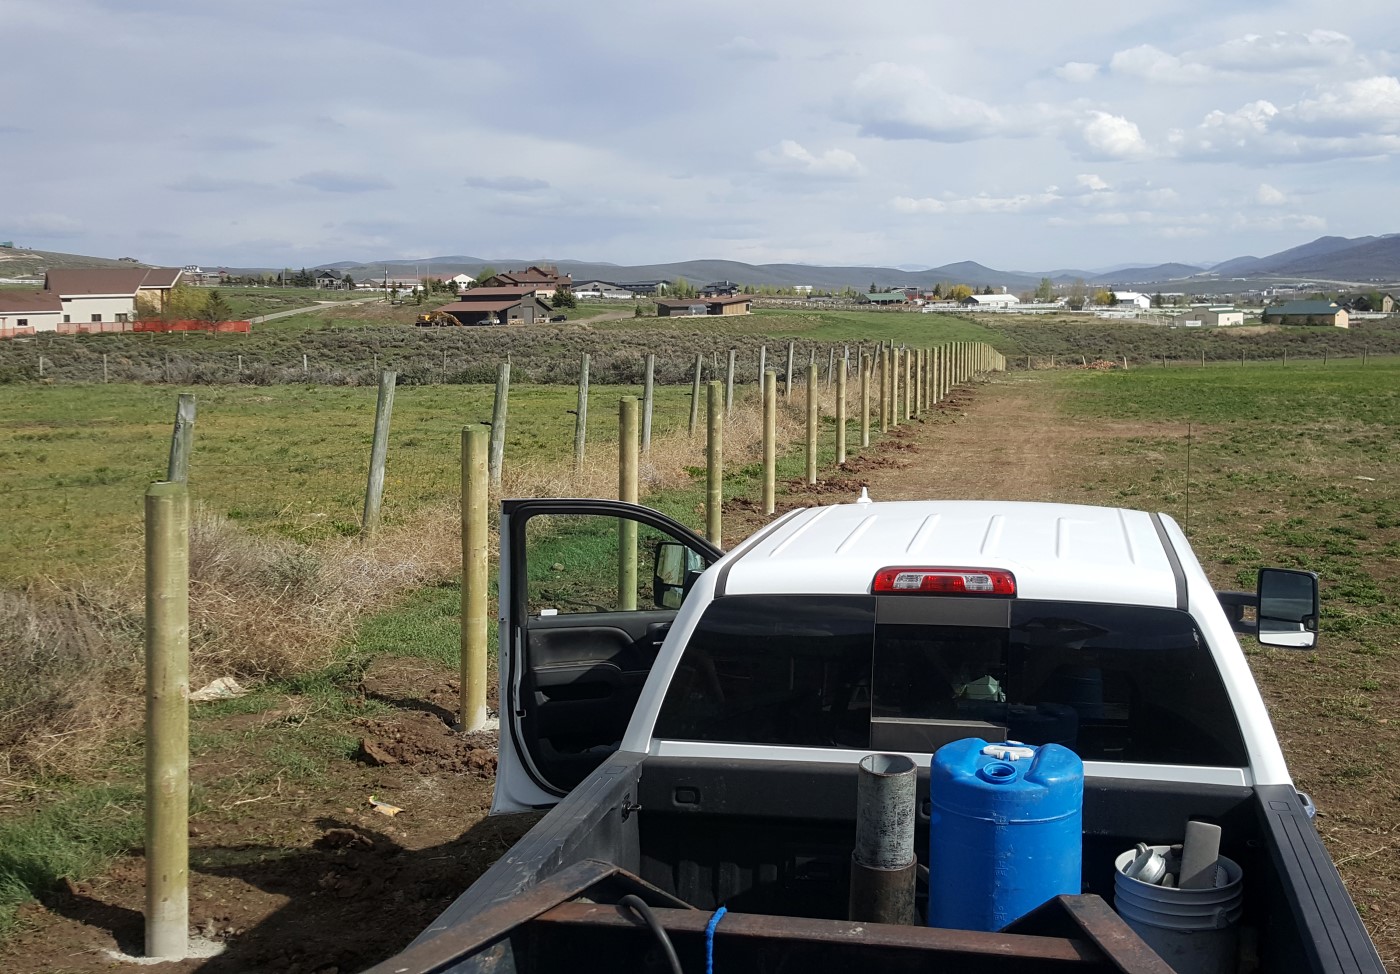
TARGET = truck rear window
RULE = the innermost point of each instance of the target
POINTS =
(1114, 683)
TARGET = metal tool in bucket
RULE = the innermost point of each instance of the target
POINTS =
(1194, 929)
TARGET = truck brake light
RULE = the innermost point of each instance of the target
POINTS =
(945, 581)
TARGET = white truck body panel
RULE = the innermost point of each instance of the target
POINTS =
(1057, 552)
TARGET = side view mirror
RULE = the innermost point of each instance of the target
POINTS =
(675, 571)
(1288, 608)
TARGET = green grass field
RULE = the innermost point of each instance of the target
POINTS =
(290, 459)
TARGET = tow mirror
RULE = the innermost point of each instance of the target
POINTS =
(676, 569)
(1288, 608)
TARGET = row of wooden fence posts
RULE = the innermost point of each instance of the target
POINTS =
(935, 371)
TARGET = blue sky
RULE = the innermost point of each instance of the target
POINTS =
(1023, 135)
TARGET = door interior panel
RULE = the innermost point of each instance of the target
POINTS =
(583, 671)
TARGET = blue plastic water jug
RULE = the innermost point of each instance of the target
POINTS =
(1005, 833)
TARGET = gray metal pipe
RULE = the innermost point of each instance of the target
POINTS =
(883, 865)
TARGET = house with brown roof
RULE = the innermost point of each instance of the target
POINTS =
(28, 312)
(732, 304)
(544, 280)
(104, 295)
(499, 306)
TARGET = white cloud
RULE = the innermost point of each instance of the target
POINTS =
(1154, 64)
(1283, 54)
(982, 203)
(1091, 182)
(1267, 195)
(1077, 72)
(1344, 119)
(894, 101)
(1108, 136)
(792, 157)
(1280, 50)
(1356, 108)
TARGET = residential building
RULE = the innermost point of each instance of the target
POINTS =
(1307, 313)
(602, 289)
(95, 296)
(460, 282)
(1221, 317)
(1387, 304)
(1131, 299)
(646, 287)
(719, 289)
(499, 306)
(330, 280)
(29, 312)
(990, 301)
(543, 280)
(409, 284)
(731, 304)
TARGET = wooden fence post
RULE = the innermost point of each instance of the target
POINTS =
(627, 493)
(648, 400)
(499, 410)
(379, 451)
(762, 364)
(770, 441)
(476, 580)
(729, 386)
(695, 394)
(865, 365)
(896, 390)
(787, 381)
(841, 415)
(177, 470)
(104, 368)
(581, 415)
(909, 385)
(884, 389)
(167, 720)
(830, 364)
(714, 464)
(811, 424)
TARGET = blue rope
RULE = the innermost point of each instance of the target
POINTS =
(710, 940)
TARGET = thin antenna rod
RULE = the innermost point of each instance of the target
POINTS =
(1187, 527)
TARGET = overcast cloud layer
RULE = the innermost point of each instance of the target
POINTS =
(1022, 135)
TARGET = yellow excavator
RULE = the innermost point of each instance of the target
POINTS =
(437, 318)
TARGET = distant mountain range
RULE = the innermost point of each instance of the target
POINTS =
(1339, 261)
(1362, 260)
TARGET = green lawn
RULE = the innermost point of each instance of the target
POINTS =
(75, 460)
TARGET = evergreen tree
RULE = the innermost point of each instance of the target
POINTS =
(216, 309)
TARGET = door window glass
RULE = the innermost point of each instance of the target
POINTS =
(593, 563)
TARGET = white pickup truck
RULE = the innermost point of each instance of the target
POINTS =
(698, 733)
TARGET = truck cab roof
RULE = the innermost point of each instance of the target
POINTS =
(1055, 551)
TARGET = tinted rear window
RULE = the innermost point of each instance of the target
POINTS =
(1113, 683)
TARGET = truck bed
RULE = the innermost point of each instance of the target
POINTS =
(767, 838)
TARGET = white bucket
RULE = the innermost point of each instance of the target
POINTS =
(1194, 930)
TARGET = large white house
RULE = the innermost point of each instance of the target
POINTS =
(98, 296)
(991, 301)
(1131, 299)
